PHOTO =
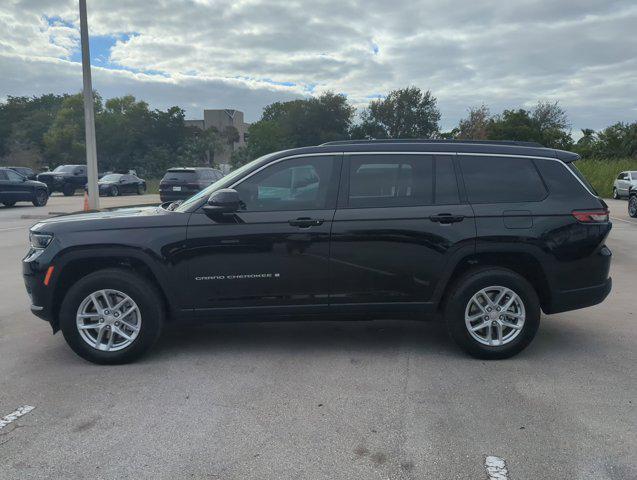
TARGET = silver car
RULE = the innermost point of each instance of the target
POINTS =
(622, 184)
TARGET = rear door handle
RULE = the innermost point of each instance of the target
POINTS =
(446, 218)
(306, 222)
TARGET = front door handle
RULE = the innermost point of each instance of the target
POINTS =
(306, 222)
(446, 218)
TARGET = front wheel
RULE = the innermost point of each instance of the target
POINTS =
(114, 191)
(632, 206)
(8, 204)
(141, 189)
(68, 190)
(492, 313)
(111, 316)
(615, 194)
(40, 199)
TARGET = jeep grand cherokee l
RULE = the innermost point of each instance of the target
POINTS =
(487, 234)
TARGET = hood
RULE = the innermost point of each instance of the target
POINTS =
(121, 218)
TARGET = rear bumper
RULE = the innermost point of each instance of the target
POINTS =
(566, 300)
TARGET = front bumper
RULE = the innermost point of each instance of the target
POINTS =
(41, 295)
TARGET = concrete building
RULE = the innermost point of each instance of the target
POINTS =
(222, 119)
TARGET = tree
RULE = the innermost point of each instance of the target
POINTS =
(405, 113)
(201, 146)
(546, 124)
(476, 125)
(617, 141)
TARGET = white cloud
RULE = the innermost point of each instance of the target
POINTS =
(243, 53)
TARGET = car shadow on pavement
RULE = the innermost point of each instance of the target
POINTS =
(300, 337)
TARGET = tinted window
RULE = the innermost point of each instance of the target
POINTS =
(79, 171)
(13, 176)
(390, 180)
(446, 183)
(559, 180)
(111, 178)
(64, 169)
(501, 180)
(299, 184)
(581, 176)
(180, 176)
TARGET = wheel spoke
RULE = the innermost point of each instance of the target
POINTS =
(512, 298)
(96, 303)
(89, 315)
(500, 296)
(122, 334)
(480, 326)
(111, 336)
(132, 326)
(498, 330)
(510, 325)
(128, 312)
(89, 326)
(106, 299)
(100, 336)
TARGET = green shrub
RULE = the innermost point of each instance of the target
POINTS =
(602, 173)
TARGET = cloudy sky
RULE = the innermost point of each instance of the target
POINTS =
(247, 53)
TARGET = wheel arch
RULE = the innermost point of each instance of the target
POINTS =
(78, 264)
(524, 264)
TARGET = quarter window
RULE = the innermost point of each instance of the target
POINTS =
(390, 180)
(501, 180)
(299, 184)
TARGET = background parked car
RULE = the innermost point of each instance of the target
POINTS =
(114, 184)
(65, 178)
(623, 183)
(16, 188)
(632, 202)
(25, 172)
(184, 182)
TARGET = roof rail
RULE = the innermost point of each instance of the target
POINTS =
(426, 140)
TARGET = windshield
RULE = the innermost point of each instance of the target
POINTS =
(65, 169)
(223, 182)
(110, 178)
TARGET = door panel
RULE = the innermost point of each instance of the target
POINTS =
(397, 253)
(275, 252)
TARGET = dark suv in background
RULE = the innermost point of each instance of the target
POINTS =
(486, 235)
(65, 178)
(181, 183)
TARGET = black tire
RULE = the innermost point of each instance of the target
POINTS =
(114, 191)
(139, 289)
(141, 189)
(632, 206)
(8, 204)
(470, 284)
(68, 190)
(615, 194)
(40, 198)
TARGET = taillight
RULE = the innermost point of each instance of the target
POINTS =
(591, 216)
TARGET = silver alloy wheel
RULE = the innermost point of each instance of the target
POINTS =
(495, 316)
(108, 320)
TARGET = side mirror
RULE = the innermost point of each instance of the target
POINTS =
(222, 202)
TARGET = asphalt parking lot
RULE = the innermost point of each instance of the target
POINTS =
(324, 400)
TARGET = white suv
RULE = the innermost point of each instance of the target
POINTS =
(622, 184)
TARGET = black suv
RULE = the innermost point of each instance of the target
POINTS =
(182, 183)
(65, 178)
(486, 234)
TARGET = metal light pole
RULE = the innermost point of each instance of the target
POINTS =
(89, 113)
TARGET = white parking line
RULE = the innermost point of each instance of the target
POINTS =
(496, 468)
(13, 416)
(622, 220)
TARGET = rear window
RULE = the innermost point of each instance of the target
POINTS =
(180, 176)
(582, 178)
(501, 180)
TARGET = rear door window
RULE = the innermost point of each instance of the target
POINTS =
(390, 180)
(501, 180)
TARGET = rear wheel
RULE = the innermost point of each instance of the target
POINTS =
(632, 206)
(615, 194)
(492, 313)
(8, 204)
(141, 189)
(114, 191)
(41, 198)
(111, 316)
(68, 190)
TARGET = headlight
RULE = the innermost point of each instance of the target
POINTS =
(40, 241)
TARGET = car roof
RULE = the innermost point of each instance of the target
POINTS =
(433, 146)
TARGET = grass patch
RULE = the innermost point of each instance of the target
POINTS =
(152, 185)
(602, 173)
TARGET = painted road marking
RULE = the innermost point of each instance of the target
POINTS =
(496, 468)
(13, 416)
(622, 220)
